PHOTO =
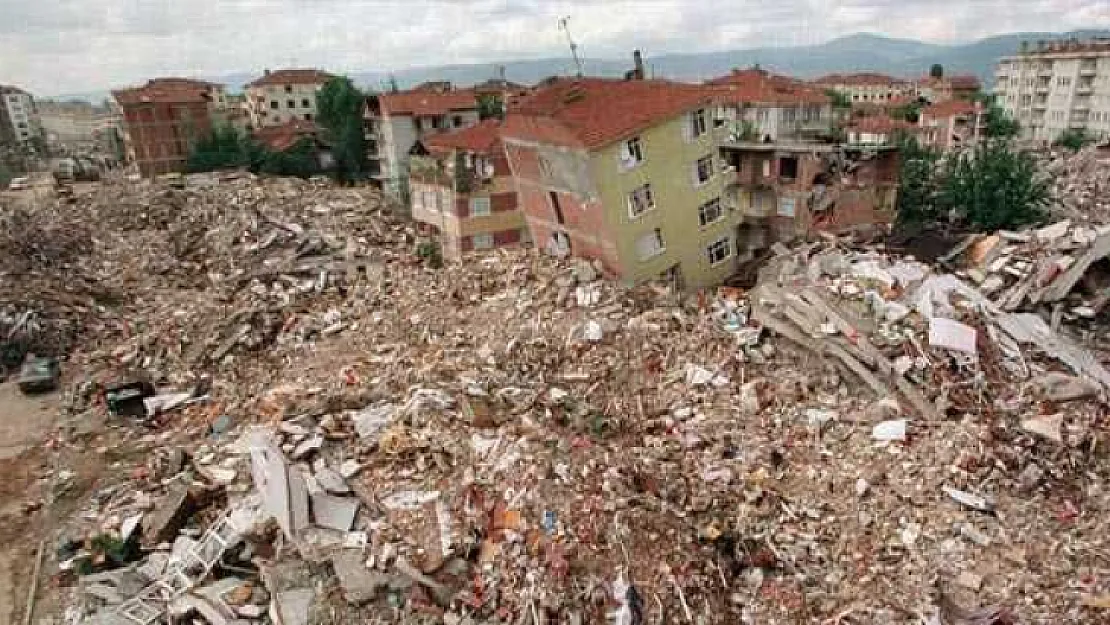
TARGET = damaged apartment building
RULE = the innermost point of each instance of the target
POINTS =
(665, 180)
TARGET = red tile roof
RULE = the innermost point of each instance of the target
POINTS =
(482, 138)
(292, 77)
(950, 108)
(859, 78)
(761, 87)
(424, 102)
(166, 91)
(594, 112)
(285, 136)
(881, 124)
(965, 82)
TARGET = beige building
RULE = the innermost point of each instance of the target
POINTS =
(79, 127)
(1057, 86)
(19, 119)
(867, 87)
(284, 95)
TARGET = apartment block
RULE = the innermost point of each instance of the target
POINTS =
(877, 130)
(1052, 87)
(394, 122)
(81, 128)
(164, 118)
(868, 87)
(952, 124)
(285, 95)
(946, 88)
(19, 118)
(757, 104)
(463, 191)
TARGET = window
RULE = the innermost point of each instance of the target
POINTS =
(632, 153)
(479, 206)
(788, 114)
(308, 117)
(697, 123)
(274, 104)
(418, 124)
(304, 103)
(710, 212)
(288, 88)
(650, 245)
(554, 196)
(482, 241)
(703, 170)
(458, 120)
(291, 104)
(719, 251)
(430, 201)
(788, 167)
(640, 201)
(786, 207)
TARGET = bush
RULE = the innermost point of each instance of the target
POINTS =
(1074, 139)
(999, 125)
(224, 148)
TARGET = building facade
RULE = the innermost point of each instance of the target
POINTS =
(952, 124)
(463, 191)
(1054, 87)
(394, 122)
(163, 119)
(19, 118)
(756, 104)
(868, 87)
(283, 96)
(82, 128)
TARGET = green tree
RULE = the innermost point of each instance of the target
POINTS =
(490, 106)
(298, 160)
(340, 106)
(908, 112)
(936, 71)
(1074, 139)
(993, 187)
(839, 100)
(223, 148)
(917, 188)
(999, 124)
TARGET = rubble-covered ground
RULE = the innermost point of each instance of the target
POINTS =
(521, 441)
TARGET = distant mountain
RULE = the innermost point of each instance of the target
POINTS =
(859, 52)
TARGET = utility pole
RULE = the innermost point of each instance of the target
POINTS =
(573, 46)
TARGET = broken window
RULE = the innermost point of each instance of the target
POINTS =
(786, 207)
(697, 123)
(788, 167)
(719, 251)
(651, 244)
(703, 170)
(710, 212)
(554, 196)
(631, 153)
(482, 241)
(479, 206)
(640, 201)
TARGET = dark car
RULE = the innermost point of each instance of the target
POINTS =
(38, 375)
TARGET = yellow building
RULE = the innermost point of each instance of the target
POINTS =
(284, 96)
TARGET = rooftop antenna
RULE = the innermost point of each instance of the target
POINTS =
(573, 46)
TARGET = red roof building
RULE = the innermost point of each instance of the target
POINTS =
(952, 124)
(286, 95)
(867, 86)
(771, 107)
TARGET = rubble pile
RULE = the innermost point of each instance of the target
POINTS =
(335, 432)
(1080, 184)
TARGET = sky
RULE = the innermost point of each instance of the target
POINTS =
(52, 47)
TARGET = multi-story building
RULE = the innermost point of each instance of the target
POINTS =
(877, 130)
(952, 124)
(867, 86)
(164, 118)
(19, 118)
(80, 128)
(756, 104)
(394, 122)
(1057, 86)
(284, 95)
(463, 191)
(936, 90)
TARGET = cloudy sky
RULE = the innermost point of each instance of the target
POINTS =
(69, 46)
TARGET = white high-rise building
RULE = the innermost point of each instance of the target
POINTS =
(1055, 86)
(19, 119)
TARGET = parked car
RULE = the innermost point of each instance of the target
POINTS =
(38, 375)
(19, 184)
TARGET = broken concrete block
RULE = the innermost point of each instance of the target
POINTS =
(306, 447)
(1046, 426)
(291, 607)
(284, 493)
(169, 515)
(1061, 387)
(952, 335)
(349, 469)
(337, 513)
(360, 584)
(331, 481)
(369, 422)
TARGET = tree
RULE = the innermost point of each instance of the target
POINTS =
(490, 106)
(839, 100)
(298, 160)
(993, 187)
(224, 148)
(908, 112)
(917, 186)
(999, 124)
(1074, 139)
(340, 106)
(936, 71)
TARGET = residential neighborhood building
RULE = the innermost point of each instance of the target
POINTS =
(960, 87)
(19, 118)
(79, 127)
(877, 130)
(1052, 87)
(463, 191)
(164, 118)
(285, 95)
(394, 122)
(756, 104)
(867, 86)
(952, 124)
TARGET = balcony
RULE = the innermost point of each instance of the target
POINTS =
(1045, 70)
(1088, 69)
(1084, 89)
(1082, 105)
(1040, 104)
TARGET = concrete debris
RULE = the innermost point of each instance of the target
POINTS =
(517, 439)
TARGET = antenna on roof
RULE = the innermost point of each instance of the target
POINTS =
(573, 46)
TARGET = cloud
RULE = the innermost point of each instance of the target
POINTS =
(67, 46)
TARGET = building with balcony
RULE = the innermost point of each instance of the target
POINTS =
(164, 118)
(394, 122)
(463, 191)
(1051, 87)
(756, 104)
(867, 87)
(19, 117)
(952, 124)
(283, 96)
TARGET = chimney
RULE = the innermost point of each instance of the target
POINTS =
(638, 62)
